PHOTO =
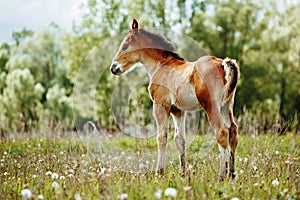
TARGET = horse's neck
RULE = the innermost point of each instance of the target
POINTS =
(153, 60)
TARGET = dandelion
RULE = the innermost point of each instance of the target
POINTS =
(275, 183)
(187, 188)
(26, 194)
(40, 197)
(170, 192)
(48, 173)
(54, 176)
(123, 196)
(70, 175)
(157, 194)
(256, 184)
(55, 185)
(77, 196)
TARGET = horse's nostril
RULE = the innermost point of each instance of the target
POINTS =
(115, 68)
(114, 65)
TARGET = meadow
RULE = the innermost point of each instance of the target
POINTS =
(66, 167)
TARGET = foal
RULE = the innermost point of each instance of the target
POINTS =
(177, 85)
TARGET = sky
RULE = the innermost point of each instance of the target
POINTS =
(34, 14)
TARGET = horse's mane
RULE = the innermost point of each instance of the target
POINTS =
(168, 47)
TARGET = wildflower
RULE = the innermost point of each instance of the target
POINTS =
(275, 182)
(61, 153)
(170, 192)
(70, 175)
(187, 188)
(5, 173)
(26, 194)
(234, 198)
(123, 196)
(245, 160)
(277, 152)
(55, 185)
(40, 197)
(256, 184)
(77, 196)
(241, 171)
(48, 173)
(62, 178)
(287, 163)
(157, 194)
(54, 176)
(255, 168)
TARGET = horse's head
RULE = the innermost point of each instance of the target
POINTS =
(127, 54)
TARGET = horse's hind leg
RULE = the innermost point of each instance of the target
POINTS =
(161, 114)
(233, 141)
(179, 137)
(227, 114)
(222, 135)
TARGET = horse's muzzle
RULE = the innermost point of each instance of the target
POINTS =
(115, 68)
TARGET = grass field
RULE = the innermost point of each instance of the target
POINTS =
(268, 167)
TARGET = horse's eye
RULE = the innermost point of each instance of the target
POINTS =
(124, 47)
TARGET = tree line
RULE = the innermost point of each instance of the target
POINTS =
(38, 71)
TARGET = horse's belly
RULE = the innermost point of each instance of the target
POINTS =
(186, 98)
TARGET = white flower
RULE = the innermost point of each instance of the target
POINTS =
(275, 182)
(70, 175)
(5, 173)
(40, 197)
(234, 198)
(170, 192)
(123, 196)
(277, 152)
(77, 196)
(48, 173)
(55, 185)
(241, 171)
(54, 176)
(157, 194)
(187, 188)
(26, 194)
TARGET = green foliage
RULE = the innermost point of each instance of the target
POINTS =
(21, 99)
(263, 37)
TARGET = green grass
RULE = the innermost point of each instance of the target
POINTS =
(82, 171)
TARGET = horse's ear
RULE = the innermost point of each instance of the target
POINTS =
(134, 25)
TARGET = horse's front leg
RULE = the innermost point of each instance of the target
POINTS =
(180, 136)
(161, 114)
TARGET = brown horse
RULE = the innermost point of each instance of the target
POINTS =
(177, 85)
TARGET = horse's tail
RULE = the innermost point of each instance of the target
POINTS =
(232, 75)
